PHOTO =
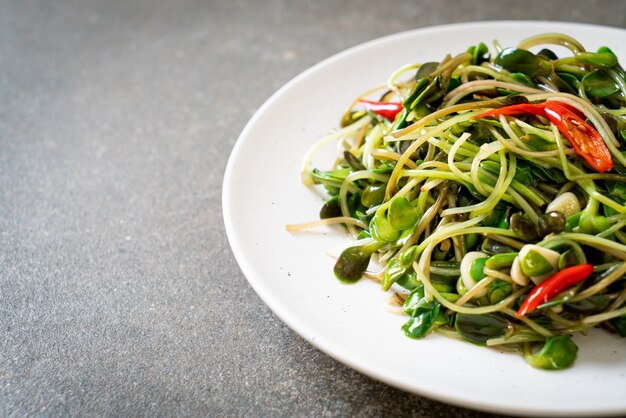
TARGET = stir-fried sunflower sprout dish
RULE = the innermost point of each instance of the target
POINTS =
(490, 190)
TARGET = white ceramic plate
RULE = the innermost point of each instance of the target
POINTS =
(292, 273)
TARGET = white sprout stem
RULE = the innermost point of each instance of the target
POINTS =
(372, 139)
(473, 86)
(328, 221)
(596, 319)
(348, 130)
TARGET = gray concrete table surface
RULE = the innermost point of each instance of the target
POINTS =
(119, 294)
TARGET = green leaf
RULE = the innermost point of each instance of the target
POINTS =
(409, 280)
(443, 284)
(423, 313)
(478, 329)
(400, 121)
(494, 217)
(373, 195)
(617, 190)
(567, 82)
(548, 54)
(557, 353)
(401, 214)
(331, 208)
(589, 306)
(609, 211)
(452, 297)
(351, 264)
(620, 325)
(599, 84)
(422, 84)
(408, 257)
(425, 70)
(491, 246)
(523, 173)
(336, 176)
(523, 79)
(554, 175)
(381, 229)
(504, 221)
(354, 204)
(425, 94)
(453, 83)
(491, 166)
(498, 290)
(471, 240)
(400, 271)
(419, 325)
(353, 161)
(569, 258)
(592, 224)
(572, 222)
(517, 60)
(604, 48)
(538, 143)
(479, 53)
(395, 270)
(443, 287)
(603, 58)
(415, 302)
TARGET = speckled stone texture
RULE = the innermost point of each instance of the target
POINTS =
(119, 294)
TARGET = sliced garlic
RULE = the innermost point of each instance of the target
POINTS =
(566, 203)
(550, 256)
(517, 274)
(465, 267)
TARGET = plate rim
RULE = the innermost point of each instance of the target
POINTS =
(300, 327)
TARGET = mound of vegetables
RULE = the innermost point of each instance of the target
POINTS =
(490, 188)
